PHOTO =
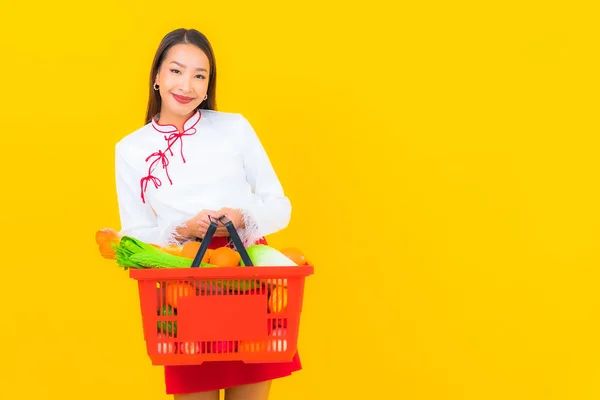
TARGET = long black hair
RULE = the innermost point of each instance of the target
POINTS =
(182, 36)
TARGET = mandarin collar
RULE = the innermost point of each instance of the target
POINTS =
(169, 128)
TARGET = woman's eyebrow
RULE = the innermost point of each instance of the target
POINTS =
(183, 66)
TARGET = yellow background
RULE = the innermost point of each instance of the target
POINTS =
(442, 162)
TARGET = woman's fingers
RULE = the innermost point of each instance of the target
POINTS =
(204, 223)
(221, 231)
(201, 222)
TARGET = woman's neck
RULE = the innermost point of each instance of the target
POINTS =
(178, 121)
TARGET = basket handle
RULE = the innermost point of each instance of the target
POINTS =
(239, 246)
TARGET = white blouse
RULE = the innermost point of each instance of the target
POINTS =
(165, 177)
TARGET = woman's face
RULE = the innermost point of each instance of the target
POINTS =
(183, 79)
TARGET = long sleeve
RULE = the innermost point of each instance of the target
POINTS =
(270, 209)
(137, 218)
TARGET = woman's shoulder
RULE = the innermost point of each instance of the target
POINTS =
(133, 141)
(230, 124)
(223, 117)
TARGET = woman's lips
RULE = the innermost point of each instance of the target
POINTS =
(182, 99)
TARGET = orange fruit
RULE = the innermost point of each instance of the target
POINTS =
(250, 347)
(174, 250)
(225, 257)
(176, 290)
(278, 300)
(294, 254)
(190, 249)
(104, 238)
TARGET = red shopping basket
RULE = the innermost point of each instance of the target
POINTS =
(194, 315)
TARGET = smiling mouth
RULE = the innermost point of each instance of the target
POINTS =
(182, 99)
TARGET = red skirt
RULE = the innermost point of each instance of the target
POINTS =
(217, 375)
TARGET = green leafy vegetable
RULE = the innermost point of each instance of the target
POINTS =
(167, 326)
(134, 253)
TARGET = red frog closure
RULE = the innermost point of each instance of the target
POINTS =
(159, 157)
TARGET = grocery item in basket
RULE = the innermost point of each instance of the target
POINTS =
(278, 300)
(134, 253)
(178, 289)
(167, 327)
(295, 254)
(218, 286)
(277, 342)
(262, 255)
(225, 257)
(107, 237)
(190, 248)
(166, 344)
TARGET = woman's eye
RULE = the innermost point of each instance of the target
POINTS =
(175, 71)
(200, 76)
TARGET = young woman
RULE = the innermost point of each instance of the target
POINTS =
(189, 162)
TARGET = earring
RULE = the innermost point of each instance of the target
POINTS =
(205, 97)
(155, 86)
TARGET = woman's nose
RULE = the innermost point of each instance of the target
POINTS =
(185, 85)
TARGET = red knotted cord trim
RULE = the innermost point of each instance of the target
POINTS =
(160, 157)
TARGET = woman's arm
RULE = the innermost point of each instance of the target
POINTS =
(270, 210)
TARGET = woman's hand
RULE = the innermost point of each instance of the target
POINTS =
(198, 225)
(234, 215)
